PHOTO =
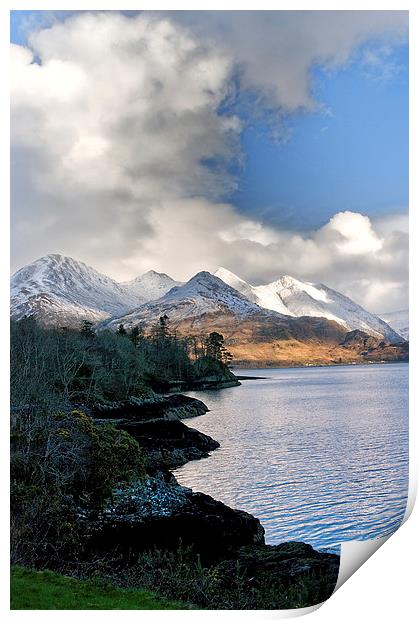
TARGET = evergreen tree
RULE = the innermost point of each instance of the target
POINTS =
(215, 348)
(164, 326)
(87, 329)
(136, 336)
(121, 330)
(214, 345)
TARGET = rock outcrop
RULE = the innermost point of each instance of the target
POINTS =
(152, 407)
(214, 381)
(155, 422)
(168, 444)
(159, 513)
(281, 563)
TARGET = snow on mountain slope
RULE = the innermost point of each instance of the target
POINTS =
(399, 321)
(290, 296)
(52, 311)
(210, 293)
(237, 283)
(252, 333)
(151, 285)
(60, 290)
(202, 295)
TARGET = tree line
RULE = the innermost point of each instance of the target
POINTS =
(51, 367)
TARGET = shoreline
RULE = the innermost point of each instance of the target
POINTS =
(217, 480)
(301, 366)
(157, 512)
(173, 470)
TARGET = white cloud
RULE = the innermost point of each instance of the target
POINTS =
(348, 253)
(114, 119)
(118, 115)
(352, 233)
(277, 49)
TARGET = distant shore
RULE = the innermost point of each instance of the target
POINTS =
(255, 366)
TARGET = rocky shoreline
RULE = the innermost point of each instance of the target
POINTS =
(158, 513)
(155, 423)
(224, 378)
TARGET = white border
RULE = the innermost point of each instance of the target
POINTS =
(385, 586)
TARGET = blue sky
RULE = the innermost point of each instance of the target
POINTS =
(352, 155)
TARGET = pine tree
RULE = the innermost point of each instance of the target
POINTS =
(87, 329)
(216, 350)
(121, 330)
(136, 336)
(164, 326)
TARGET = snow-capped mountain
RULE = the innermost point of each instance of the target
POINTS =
(286, 323)
(151, 285)
(399, 321)
(290, 296)
(206, 303)
(202, 295)
(253, 334)
(57, 289)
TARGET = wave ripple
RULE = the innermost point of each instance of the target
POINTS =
(318, 454)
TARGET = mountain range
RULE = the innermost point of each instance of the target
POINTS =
(285, 322)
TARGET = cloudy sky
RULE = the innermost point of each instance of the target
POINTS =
(268, 143)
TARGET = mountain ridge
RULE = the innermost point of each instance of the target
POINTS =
(399, 321)
(204, 294)
(150, 285)
(255, 335)
(292, 297)
(60, 291)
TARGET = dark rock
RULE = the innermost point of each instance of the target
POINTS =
(185, 406)
(168, 444)
(154, 497)
(151, 408)
(157, 514)
(223, 379)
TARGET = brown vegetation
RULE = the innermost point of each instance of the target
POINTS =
(307, 341)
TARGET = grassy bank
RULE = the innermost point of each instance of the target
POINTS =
(32, 589)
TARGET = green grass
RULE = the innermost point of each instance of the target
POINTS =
(32, 589)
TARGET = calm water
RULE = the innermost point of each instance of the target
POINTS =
(318, 454)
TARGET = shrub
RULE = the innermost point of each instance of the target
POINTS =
(181, 576)
(116, 457)
(51, 368)
(60, 463)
